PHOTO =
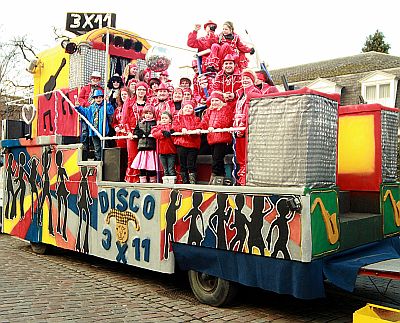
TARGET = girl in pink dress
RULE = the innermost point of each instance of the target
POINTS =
(146, 158)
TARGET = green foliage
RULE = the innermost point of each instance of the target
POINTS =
(376, 43)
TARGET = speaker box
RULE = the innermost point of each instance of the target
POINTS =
(114, 164)
(14, 129)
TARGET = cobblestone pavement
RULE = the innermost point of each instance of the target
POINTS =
(65, 286)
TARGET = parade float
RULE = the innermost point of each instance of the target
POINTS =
(321, 200)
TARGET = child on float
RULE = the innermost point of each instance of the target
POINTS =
(146, 159)
(130, 72)
(244, 95)
(187, 146)
(165, 147)
(217, 115)
(164, 77)
(95, 115)
(132, 113)
(117, 122)
(132, 87)
(228, 43)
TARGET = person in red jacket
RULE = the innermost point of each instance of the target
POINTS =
(165, 147)
(264, 84)
(228, 81)
(248, 92)
(163, 103)
(203, 43)
(228, 43)
(218, 115)
(131, 114)
(85, 99)
(117, 123)
(187, 146)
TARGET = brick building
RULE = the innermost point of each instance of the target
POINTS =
(372, 75)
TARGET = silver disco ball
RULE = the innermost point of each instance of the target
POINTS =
(158, 59)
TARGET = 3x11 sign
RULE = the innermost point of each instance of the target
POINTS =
(80, 23)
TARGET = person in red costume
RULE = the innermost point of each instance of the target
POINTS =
(163, 103)
(263, 83)
(248, 92)
(218, 115)
(131, 114)
(165, 147)
(117, 123)
(203, 43)
(228, 81)
(187, 146)
(228, 43)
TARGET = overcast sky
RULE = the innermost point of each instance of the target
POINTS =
(285, 33)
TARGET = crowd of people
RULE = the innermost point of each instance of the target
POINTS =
(161, 123)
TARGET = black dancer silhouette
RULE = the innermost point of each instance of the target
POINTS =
(256, 224)
(46, 162)
(283, 217)
(222, 216)
(34, 181)
(195, 236)
(175, 201)
(84, 200)
(62, 194)
(21, 189)
(10, 188)
(240, 224)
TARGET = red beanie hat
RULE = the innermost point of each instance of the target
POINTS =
(189, 102)
(141, 83)
(217, 95)
(249, 73)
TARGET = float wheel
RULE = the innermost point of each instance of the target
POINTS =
(211, 290)
(39, 248)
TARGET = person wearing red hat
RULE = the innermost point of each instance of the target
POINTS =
(203, 43)
(163, 102)
(228, 81)
(263, 83)
(228, 43)
(248, 92)
(187, 146)
(131, 114)
(187, 94)
(218, 115)
(145, 75)
(200, 82)
(164, 77)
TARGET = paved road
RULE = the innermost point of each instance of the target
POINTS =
(65, 286)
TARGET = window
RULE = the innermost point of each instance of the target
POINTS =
(379, 87)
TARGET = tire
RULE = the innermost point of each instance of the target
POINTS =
(39, 248)
(211, 290)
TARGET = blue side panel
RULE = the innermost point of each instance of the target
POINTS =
(342, 269)
(302, 280)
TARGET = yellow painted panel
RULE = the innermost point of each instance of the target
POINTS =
(356, 145)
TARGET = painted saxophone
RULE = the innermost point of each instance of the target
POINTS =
(330, 221)
(395, 206)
